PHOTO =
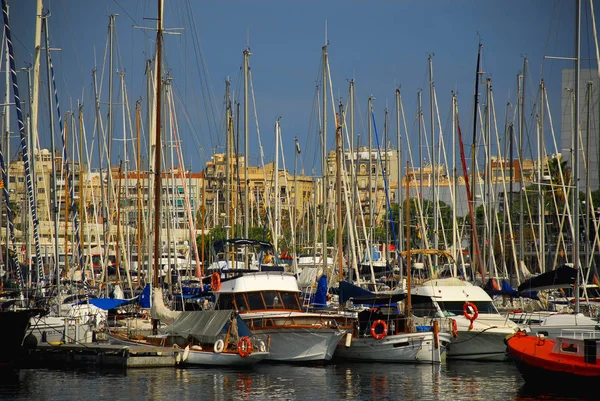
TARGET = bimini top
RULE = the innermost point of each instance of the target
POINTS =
(260, 281)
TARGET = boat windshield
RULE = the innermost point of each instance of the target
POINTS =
(259, 300)
(453, 308)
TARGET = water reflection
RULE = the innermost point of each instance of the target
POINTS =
(454, 381)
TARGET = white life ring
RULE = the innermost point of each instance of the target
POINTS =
(219, 346)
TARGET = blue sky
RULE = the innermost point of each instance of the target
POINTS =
(382, 45)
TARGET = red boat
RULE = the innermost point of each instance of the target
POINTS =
(572, 360)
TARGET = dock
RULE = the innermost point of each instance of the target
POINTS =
(99, 356)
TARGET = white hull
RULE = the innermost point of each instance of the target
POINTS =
(399, 348)
(210, 358)
(485, 341)
(53, 330)
(302, 344)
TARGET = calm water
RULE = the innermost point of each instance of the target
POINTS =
(348, 381)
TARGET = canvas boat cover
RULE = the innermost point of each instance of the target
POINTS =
(205, 326)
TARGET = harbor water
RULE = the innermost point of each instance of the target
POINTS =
(453, 381)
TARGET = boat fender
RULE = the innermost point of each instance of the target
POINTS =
(262, 346)
(348, 339)
(541, 339)
(454, 328)
(471, 316)
(244, 347)
(186, 354)
(215, 281)
(384, 327)
(219, 346)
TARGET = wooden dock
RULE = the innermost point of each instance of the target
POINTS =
(100, 356)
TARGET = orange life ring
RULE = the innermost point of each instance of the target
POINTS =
(384, 327)
(454, 328)
(244, 347)
(467, 313)
(215, 281)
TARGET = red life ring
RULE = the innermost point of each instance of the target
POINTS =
(454, 328)
(384, 327)
(467, 313)
(244, 347)
(215, 281)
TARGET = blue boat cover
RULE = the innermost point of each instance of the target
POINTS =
(349, 290)
(144, 297)
(320, 298)
(110, 303)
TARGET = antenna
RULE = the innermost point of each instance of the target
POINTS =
(247, 37)
(326, 39)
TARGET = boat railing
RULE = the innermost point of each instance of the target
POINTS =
(580, 334)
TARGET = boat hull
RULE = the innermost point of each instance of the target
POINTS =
(480, 345)
(302, 344)
(398, 348)
(13, 326)
(548, 363)
(210, 358)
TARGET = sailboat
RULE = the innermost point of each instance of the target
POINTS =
(384, 334)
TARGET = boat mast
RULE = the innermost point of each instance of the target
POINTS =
(522, 184)
(228, 181)
(453, 189)
(276, 182)
(408, 311)
(324, 168)
(433, 163)
(102, 200)
(475, 254)
(55, 208)
(420, 197)
(109, 206)
(82, 210)
(67, 201)
(541, 204)
(246, 154)
(157, 153)
(340, 225)
(576, 154)
(400, 169)
(138, 123)
(371, 217)
(117, 250)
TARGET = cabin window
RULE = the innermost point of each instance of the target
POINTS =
(255, 301)
(240, 302)
(289, 300)
(225, 301)
(424, 308)
(272, 300)
(456, 307)
(571, 348)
